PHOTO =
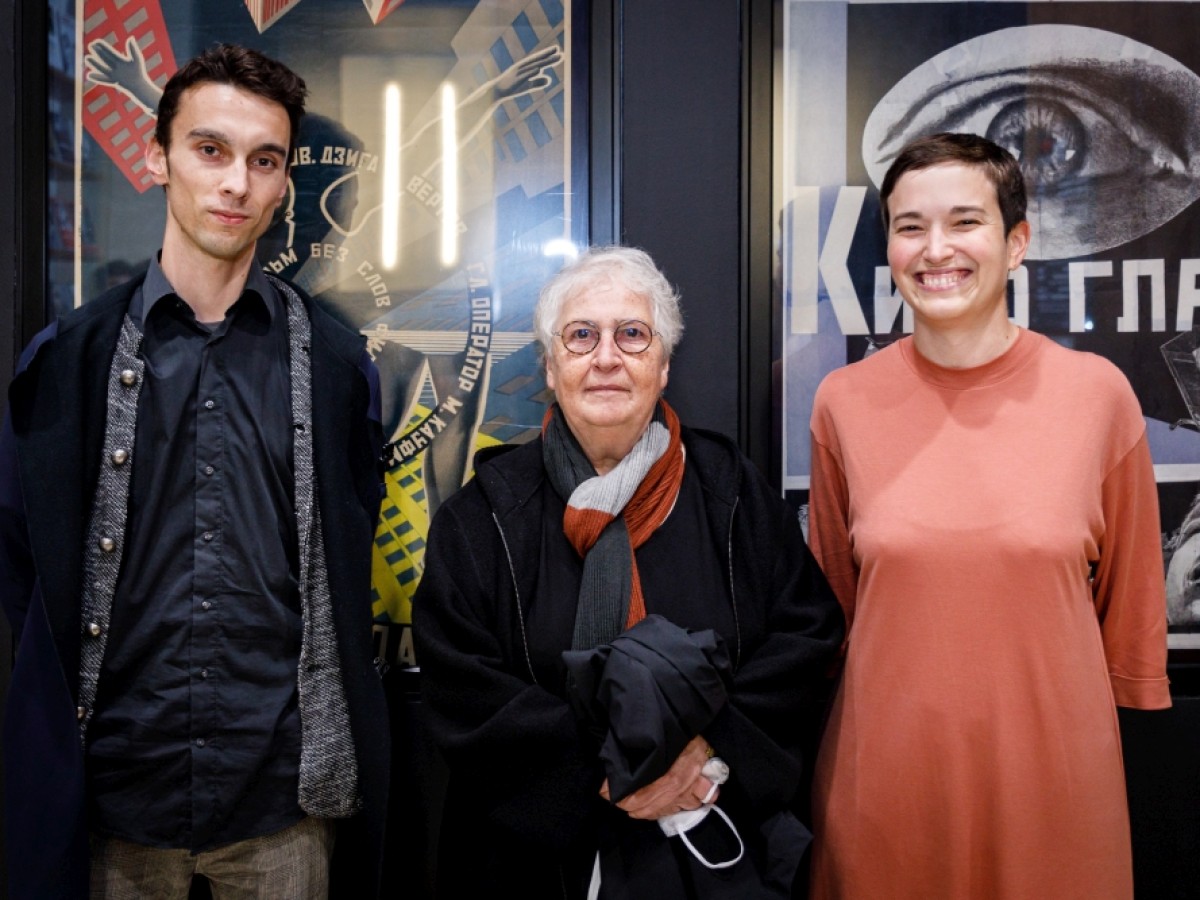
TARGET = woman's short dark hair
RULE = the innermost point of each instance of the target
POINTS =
(243, 68)
(1000, 167)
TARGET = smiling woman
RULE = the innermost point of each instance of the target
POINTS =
(950, 251)
(984, 506)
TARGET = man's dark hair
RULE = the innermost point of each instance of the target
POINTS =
(1000, 167)
(243, 68)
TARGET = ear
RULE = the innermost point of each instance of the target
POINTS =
(1018, 244)
(662, 379)
(548, 365)
(156, 162)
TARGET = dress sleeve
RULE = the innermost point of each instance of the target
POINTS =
(1129, 587)
(829, 527)
(515, 745)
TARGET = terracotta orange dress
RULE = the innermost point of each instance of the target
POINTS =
(993, 536)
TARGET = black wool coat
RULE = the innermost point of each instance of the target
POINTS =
(522, 803)
(50, 454)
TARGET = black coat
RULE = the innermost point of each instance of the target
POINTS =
(522, 803)
(50, 454)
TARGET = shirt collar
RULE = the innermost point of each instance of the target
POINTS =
(156, 287)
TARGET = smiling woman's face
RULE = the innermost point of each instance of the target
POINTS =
(607, 396)
(947, 249)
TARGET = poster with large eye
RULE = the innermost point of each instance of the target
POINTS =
(1098, 101)
(437, 183)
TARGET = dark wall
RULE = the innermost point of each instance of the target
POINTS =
(679, 184)
(9, 318)
(1162, 751)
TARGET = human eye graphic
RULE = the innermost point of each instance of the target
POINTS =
(1104, 128)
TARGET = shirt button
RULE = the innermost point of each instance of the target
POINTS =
(209, 404)
(80, 712)
(208, 535)
(94, 629)
(128, 377)
(208, 470)
(199, 742)
(107, 544)
(119, 457)
(204, 673)
(204, 604)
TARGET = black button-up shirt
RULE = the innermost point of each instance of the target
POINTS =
(195, 739)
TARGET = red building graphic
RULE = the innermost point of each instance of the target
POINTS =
(114, 119)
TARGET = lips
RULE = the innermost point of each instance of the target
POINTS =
(229, 218)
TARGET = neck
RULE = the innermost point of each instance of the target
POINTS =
(210, 286)
(965, 347)
(605, 447)
(605, 454)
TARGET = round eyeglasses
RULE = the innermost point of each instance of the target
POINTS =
(631, 336)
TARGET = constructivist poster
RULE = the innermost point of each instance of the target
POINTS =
(1100, 102)
(436, 186)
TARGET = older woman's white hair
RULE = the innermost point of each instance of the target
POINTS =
(629, 267)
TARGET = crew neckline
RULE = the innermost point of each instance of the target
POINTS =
(991, 372)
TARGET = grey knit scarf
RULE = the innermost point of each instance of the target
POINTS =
(609, 568)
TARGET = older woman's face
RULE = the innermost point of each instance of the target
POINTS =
(607, 395)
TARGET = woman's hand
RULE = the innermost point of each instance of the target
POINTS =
(682, 787)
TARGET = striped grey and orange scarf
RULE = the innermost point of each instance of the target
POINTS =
(609, 516)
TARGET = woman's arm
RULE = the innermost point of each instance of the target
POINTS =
(1128, 585)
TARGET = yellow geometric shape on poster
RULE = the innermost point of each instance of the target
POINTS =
(398, 556)
(399, 551)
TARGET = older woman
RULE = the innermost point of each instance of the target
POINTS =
(984, 505)
(617, 538)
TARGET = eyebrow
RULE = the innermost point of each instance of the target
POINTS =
(212, 134)
(954, 211)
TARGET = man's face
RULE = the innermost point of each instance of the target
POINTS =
(225, 174)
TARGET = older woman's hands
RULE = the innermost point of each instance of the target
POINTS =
(682, 787)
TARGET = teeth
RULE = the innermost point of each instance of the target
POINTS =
(941, 281)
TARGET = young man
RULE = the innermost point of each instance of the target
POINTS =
(188, 490)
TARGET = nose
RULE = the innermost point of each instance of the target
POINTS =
(235, 179)
(937, 245)
(607, 354)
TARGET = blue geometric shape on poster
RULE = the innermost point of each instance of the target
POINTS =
(513, 142)
(537, 128)
(501, 55)
(525, 33)
(553, 10)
